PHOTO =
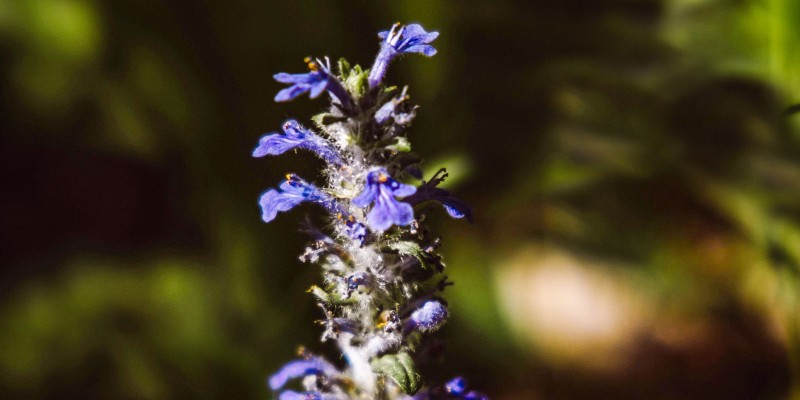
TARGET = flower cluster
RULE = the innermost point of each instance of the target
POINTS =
(383, 278)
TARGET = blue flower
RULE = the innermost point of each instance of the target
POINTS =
(314, 83)
(427, 318)
(292, 192)
(356, 230)
(386, 111)
(299, 368)
(386, 211)
(389, 110)
(409, 39)
(456, 385)
(429, 191)
(335, 326)
(296, 136)
(400, 40)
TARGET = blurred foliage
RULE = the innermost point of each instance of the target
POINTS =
(634, 176)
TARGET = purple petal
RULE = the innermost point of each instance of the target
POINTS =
(473, 395)
(453, 211)
(294, 129)
(456, 385)
(292, 395)
(290, 93)
(457, 208)
(424, 49)
(366, 196)
(275, 144)
(296, 186)
(291, 78)
(379, 219)
(430, 316)
(404, 190)
(317, 89)
(357, 231)
(299, 368)
(417, 32)
(429, 37)
(387, 212)
(273, 202)
(386, 111)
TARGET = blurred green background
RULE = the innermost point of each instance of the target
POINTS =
(634, 175)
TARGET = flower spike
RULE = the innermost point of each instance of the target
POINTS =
(382, 275)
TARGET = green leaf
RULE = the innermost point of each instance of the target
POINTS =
(400, 367)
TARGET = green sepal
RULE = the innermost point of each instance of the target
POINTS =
(412, 249)
(329, 298)
(344, 68)
(401, 369)
(357, 82)
(325, 119)
(401, 144)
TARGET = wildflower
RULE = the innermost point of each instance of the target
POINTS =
(356, 231)
(334, 326)
(400, 40)
(387, 211)
(292, 192)
(357, 279)
(296, 136)
(456, 385)
(429, 191)
(299, 368)
(393, 109)
(428, 318)
(382, 285)
(316, 81)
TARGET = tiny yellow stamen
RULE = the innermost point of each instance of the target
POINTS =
(312, 65)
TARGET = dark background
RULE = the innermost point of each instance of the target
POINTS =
(634, 177)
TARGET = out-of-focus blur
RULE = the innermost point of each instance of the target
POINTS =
(632, 166)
